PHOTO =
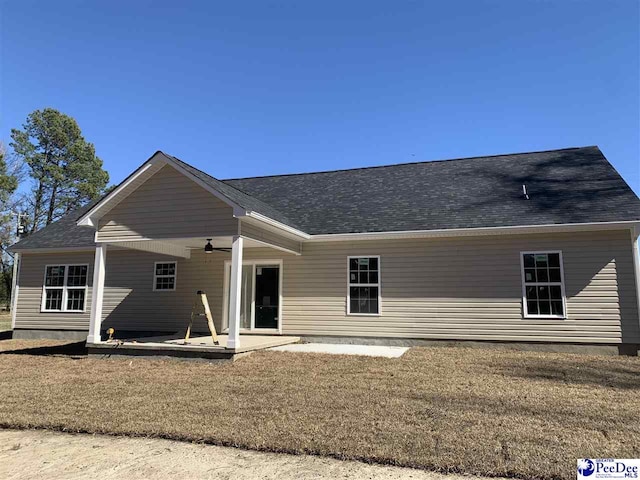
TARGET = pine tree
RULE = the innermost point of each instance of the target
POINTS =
(64, 167)
(8, 186)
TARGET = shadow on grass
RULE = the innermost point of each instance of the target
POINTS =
(603, 375)
(78, 349)
(6, 335)
(472, 407)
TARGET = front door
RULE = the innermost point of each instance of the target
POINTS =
(267, 296)
(259, 297)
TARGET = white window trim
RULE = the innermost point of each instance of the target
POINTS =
(175, 275)
(525, 309)
(64, 289)
(349, 284)
(225, 293)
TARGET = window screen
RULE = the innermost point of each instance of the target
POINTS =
(164, 276)
(543, 284)
(65, 288)
(364, 285)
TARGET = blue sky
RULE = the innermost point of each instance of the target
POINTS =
(257, 88)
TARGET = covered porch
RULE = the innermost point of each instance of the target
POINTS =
(172, 213)
(247, 302)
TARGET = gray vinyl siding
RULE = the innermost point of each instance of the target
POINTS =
(30, 281)
(264, 235)
(168, 205)
(129, 300)
(130, 303)
(448, 288)
(465, 288)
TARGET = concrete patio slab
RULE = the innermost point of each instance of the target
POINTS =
(343, 349)
(196, 347)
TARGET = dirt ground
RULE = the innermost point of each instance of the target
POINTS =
(40, 454)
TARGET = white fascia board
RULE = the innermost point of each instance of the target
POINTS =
(280, 226)
(238, 210)
(36, 251)
(271, 245)
(158, 159)
(90, 217)
(468, 232)
(144, 244)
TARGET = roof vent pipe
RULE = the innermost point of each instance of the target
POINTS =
(524, 192)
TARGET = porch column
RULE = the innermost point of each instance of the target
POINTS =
(14, 288)
(635, 236)
(235, 284)
(97, 293)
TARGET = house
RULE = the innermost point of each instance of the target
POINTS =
(528, 248)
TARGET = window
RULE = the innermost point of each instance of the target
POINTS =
(65, 288)
(164, 276)
(364, 286)
(543, 285)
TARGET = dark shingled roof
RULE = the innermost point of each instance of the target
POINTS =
(573, 185)
(61, 234)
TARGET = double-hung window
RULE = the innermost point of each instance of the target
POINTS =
(65, 288)
(164, 276)
(543, 285)
(363, 296)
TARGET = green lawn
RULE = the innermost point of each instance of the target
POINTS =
(484, 412)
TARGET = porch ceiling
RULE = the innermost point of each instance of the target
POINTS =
(181, 247)
(155, 246)
(218, 242)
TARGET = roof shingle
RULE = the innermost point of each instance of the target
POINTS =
(574, 185)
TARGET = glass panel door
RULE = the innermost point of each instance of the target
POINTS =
(267, 296)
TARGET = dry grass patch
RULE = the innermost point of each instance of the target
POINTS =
(5, 320)
(484, 412)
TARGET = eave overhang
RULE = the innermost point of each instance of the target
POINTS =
(480, 231)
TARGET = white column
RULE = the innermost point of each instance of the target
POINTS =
(235, 291)
(14, 289)
(97, 293)
(635, 231)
